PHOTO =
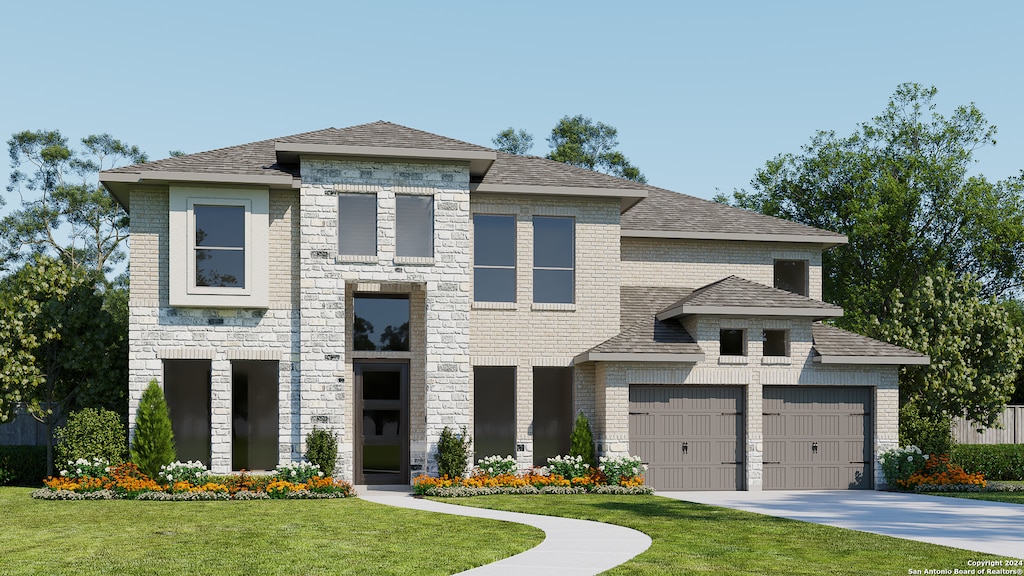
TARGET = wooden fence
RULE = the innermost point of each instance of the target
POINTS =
(1012, 431)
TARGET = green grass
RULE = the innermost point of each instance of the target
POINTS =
(1009, 497)
(348, 536)
(697, 539)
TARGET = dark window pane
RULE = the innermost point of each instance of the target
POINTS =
(414, 226)
(254, 421)
(552, 242)
(220, 268)
(221, 226)
(553, 286)
(775, 343)
(731, 343)
(381, 323)
(357, 224)
(494, 411)
(791, 275)
(494, 240)
(382, 459)
(382, 385)
(494, 285)
(381, 422)
(187, 390)
(552, 413)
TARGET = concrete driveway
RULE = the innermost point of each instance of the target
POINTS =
(993, 527)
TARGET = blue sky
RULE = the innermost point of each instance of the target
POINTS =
(702, 93)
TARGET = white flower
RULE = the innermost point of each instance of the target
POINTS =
(63, 472)
(169, 477)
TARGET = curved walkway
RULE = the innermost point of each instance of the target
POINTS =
(572, 547)
(978, 525)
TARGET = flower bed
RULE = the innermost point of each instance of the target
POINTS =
(189, 481)
(940, 475)
(563, 475)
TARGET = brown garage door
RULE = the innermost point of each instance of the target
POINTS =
(817, 438)
(691, 437)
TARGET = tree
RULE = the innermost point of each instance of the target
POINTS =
(513, 141)
(57, 336)
(974, 346)
(581, 442)
(153, 442)
(64, 211)
(579, 141)
(899, 189)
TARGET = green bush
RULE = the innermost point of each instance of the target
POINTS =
(322, 450)
(581, 443)
(90, 434)
(153, 446)
(452, 453)
(932, 434)
(995, 461)
(22, 465)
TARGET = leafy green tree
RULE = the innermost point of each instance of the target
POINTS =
(513, 141)
(153, 442)
(63, 210)
(57, 336)
(581, 442)
(974, 347)
(899, 188)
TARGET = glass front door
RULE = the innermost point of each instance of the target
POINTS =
(382, 427)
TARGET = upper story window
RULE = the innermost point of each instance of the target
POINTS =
(357, 224)
(414, 226)
(554, 256)
(494, 258)
(776, 343)
(791, 275)
(218, 247)
(732, 342)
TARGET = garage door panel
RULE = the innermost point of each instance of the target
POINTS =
(817, 437)
(697, 438)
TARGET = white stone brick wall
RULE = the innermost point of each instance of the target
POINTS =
(696, 263)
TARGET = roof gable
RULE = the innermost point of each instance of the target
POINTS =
(736, 296)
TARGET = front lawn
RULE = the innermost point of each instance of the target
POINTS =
(348, 536)
(694, 538)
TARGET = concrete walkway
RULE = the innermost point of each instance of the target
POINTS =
(993, 527)
(571, 547)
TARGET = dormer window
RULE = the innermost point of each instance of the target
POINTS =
(791, 275)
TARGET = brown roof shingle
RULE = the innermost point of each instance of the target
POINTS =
(736, 292)
(832, 341)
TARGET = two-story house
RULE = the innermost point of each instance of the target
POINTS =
(383, 283)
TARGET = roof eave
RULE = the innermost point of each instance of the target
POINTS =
(119, 183)
(479, 161)
(638, 357)
(824, 240)
(689, 310)
(877, 360)
(628, 196)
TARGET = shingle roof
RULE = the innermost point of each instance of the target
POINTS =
(643, 333)
(253, 159)
(832, 341)
(667, 211)
(510, 169)
(735, 293)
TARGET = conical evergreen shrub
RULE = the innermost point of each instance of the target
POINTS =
(581, 443)
(153, 444)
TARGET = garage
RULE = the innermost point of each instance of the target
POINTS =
(691, 437)
(817, 438)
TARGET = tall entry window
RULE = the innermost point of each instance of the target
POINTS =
(494, 258)
(381, 322)
(187, 391)
(220, 246)
(494, 411)
(254, 422)
(552, 413)
(554, 256)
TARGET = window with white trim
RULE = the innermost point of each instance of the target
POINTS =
(554, 256)
(218, 247)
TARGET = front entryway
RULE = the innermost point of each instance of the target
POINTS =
(382, 422)
(691, 437)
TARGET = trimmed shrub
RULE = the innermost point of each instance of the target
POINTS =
(995, 461)
(153, 445)
(322, 450)
(932, 434)
(452, 453)
(91, 434)
(581, 443)
(22, 465)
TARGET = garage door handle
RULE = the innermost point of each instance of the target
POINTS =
(686, 447)
(779, 462)
(639, 413)
(741, 462)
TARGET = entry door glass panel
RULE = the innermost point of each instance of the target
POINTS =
(383, 434)
(552, 413)
(494, 411)
(187, 390)
(254, 415)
